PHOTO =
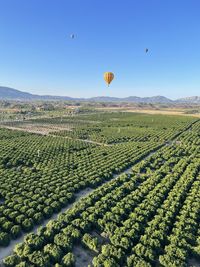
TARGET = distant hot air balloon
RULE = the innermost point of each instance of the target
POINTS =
(108, 77)
(146, 50)
(72, 36)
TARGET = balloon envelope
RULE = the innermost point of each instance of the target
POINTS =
(108, 77)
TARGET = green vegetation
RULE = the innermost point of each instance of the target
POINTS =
(151, 215)
(112, 128)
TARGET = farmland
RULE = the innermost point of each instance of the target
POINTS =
(138, 176)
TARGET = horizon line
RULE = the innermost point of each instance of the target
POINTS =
(102, 96)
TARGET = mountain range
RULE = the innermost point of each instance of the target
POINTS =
(7, 93)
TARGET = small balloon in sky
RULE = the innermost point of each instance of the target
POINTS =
(72, 36)
(146, 50)
(108, 77)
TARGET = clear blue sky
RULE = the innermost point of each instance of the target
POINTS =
(38, 56)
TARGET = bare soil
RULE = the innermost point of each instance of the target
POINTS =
(193, 263)
(37, 128)
(152, 111)
(83, 256)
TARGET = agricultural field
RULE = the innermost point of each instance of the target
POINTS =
(100, 189)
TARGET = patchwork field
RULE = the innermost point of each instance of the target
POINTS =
(102, 189)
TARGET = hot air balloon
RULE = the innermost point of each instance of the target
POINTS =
(72, 36)
(146, 50)
(108, 77)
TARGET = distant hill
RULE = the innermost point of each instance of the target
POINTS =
(153, 99)
(7, 93)
(134, 99)
(190, 100)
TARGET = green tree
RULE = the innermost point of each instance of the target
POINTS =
(68, 260)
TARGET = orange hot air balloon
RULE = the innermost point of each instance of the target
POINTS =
(108, 77)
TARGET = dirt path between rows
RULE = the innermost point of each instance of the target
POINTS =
(47, 133)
